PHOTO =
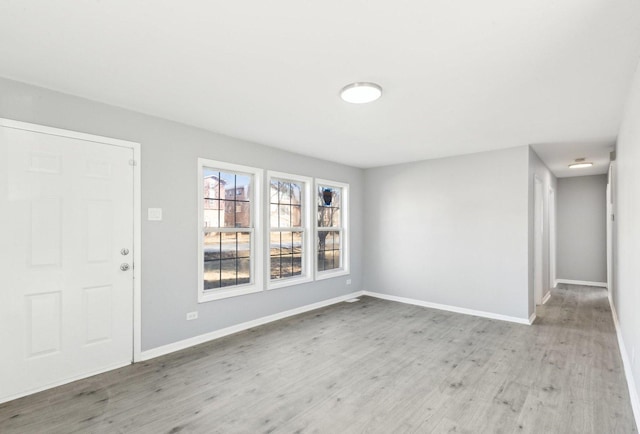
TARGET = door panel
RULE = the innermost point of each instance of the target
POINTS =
(66, 308)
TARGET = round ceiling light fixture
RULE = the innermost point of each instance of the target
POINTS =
(361, 92)
(580, 164)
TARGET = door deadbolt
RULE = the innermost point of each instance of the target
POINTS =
(124, 252)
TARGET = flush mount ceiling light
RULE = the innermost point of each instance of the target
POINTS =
(580, 164)
(361, 93)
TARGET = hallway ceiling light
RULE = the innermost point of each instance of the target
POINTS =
(580, 163)
(361, 93)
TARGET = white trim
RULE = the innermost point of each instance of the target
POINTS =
(196, 340)
(626, 363)
(307, 242)
(137, 253)
(137, 217)
(532, 318)
(581, 282)
(255, 231)
(345, 259)
(450, 308)
(65, 133)
(553, 235)
(546, 297)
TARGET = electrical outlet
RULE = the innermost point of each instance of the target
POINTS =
(348, 281)
(154, 214)
(192, 315)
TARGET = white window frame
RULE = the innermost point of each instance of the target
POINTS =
(307, 229)
(255, 229)
(343, 229)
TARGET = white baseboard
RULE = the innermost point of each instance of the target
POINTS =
(449, 308)
(196, 340)
(628, 373)
(581, 282)
(546, 297)
(66, 381)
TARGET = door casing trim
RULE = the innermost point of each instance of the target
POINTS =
(137, 216)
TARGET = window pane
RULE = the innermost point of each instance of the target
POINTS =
(211, 274)
(275, 267)
(228, 273)
(227, 199)
(328, 250)
(212, 260)
(286, 254)
(285, 204)
(237, 213)
(211, 213)
(228, 245)
(284, 195)
(286, 265)
(329, 204)
(274, 243)
(296, 216)
(212, 246)
(244, 270)
(273, 191)
(227, 259)
(296, 193)
(297, 264)
(213, 187)
(284, 212)
(286, 243)
(297, 242)
(244, 245)
(273, 215)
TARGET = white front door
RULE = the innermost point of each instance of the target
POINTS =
(66, 224)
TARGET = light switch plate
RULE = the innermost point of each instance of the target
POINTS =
(154, 214)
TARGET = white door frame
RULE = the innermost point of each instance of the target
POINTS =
(552, 237)
(538, 240)
(137, 222)
(610, 223)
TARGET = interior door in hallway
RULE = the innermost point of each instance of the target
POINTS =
(66, 278)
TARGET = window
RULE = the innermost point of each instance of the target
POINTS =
(229, 204)
(289, 230)
(331, 230)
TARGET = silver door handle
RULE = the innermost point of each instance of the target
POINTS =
(124, 252)
(124, 267)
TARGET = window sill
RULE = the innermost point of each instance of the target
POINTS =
(288, 282)
(321, 275)
(219, 294)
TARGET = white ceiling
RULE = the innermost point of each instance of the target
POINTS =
(458, 76)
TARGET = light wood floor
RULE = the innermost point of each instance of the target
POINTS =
(372, 366)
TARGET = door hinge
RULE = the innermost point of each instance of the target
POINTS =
(133, 162)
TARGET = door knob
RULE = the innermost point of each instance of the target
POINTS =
(124, 267)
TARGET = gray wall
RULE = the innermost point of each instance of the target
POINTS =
(169, 181)
(626, 203)
(451, 231)
(549, 182)
(582, 228)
